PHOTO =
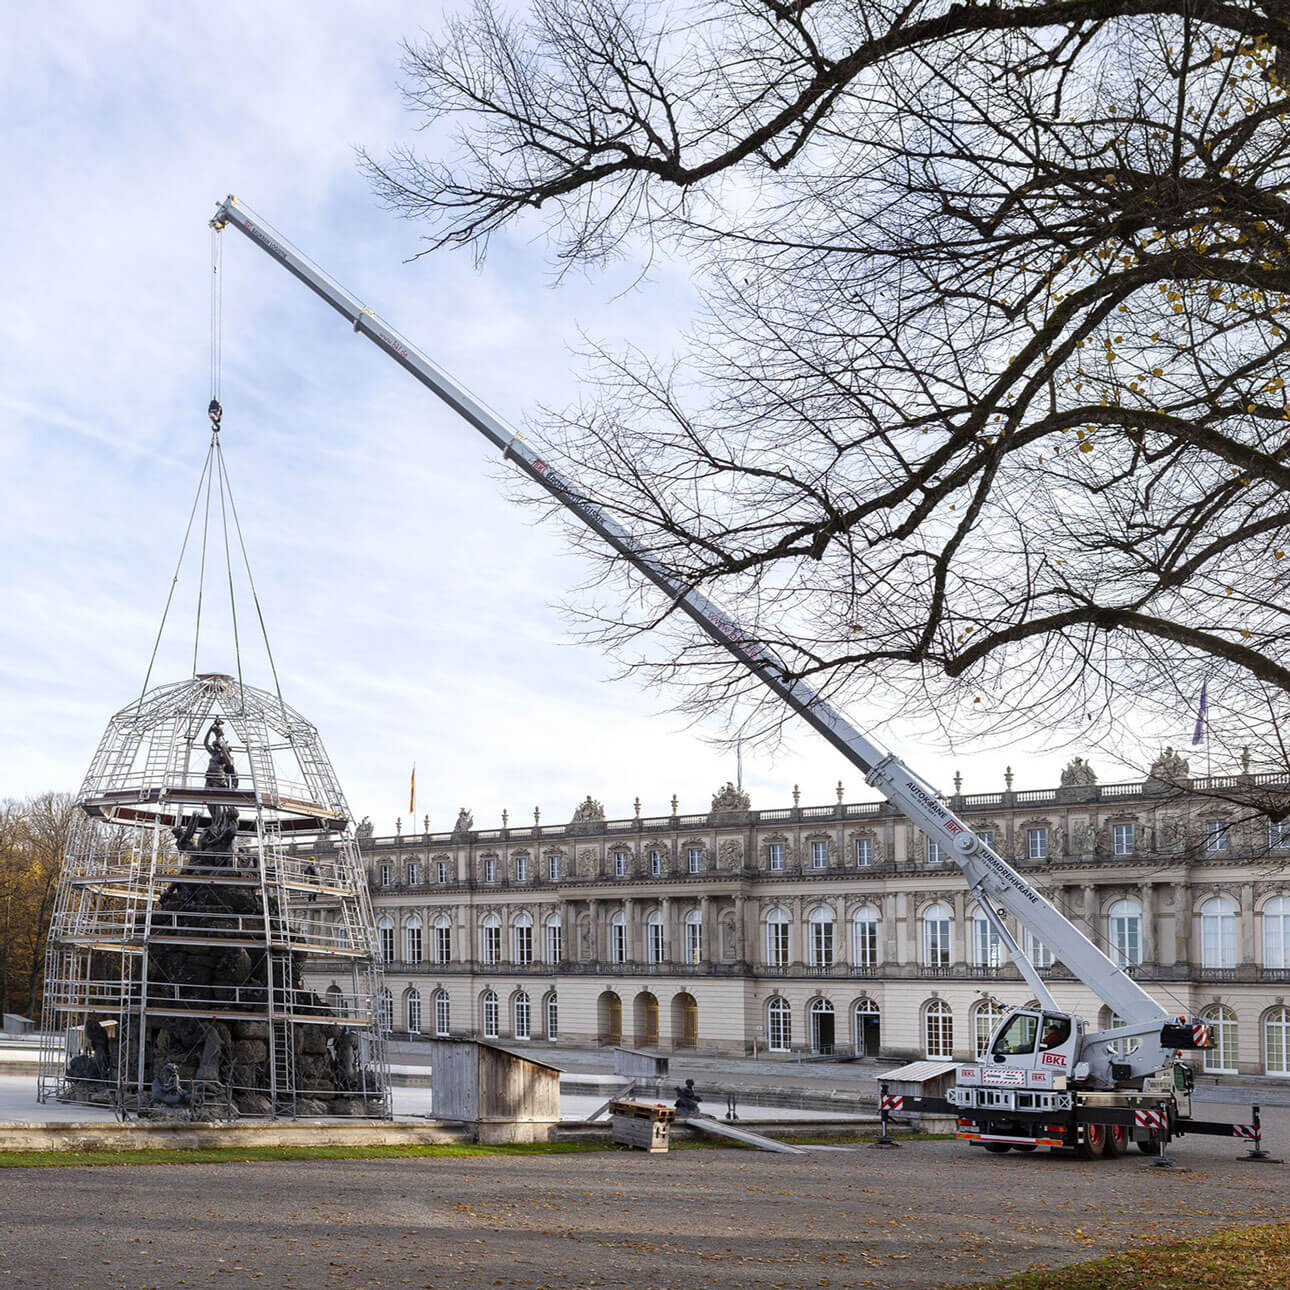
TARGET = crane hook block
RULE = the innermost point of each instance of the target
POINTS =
(215, 412)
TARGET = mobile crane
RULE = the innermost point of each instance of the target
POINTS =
(1048, 1079)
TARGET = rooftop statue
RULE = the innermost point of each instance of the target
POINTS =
(1078, 774)
(1169, 768)
(588, 811)
(465, 821)
(730, 798)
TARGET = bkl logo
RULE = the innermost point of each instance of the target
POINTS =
(1053, 1059)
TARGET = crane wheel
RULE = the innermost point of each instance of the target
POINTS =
(1117, 1141)
(1151, 1146)
(1094, 1142)
(998, 1148)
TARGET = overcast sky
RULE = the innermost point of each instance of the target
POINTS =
(414, 613)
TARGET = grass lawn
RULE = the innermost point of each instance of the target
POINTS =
(1244, 1258)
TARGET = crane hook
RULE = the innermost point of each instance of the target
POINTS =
(215, 412)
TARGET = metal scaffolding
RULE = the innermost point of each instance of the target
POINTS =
(187, 906)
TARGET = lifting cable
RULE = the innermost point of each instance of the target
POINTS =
(214, 474)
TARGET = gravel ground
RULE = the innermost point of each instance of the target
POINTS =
(931, 1214)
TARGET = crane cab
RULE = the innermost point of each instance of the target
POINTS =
(1036, 1039)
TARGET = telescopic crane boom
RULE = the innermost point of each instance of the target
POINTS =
(997, 886)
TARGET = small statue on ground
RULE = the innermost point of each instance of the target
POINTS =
(165, 1087)
(687, 1100)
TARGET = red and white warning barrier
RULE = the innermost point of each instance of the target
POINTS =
(1149, 1119)
(1200, 1035)
(891, 1102)
(1250, 1131)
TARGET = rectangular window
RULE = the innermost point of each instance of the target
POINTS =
(1122, 839)
(821, 944)
(987, 948)
(936, 942)
(414, 1013)
(694, 859)
(1279, 833)
(775, 856)
(819, 855)
(441, 1013)
(1126, 939)
(385, 875)
(694, 943)
(1216, 835)
(1037, 844)
(864, 952)
(933, 852)
(492, 945)
(1037, 952)
(779, 1027)
(554, 942)
(777, 944)
(654, 938)
(986, 836)
(441, 871)
(492, 1016)
(1218, 940)
(617, 943)
(655, 864)
(443, 944)
(523, 1017)
(387, 944)
(413, 934)
(864, 852)
(523, 943)
(413, 875)
(490, 870)
(521, 868)
(553, 868)
(620, 864)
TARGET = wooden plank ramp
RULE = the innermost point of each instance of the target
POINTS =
(721, 1129)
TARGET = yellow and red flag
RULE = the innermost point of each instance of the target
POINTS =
(412, 795)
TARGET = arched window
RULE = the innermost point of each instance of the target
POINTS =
(385, 938)
(1221, 1055)
(1276, 1041)
(618, 938)
(522, 1016)
(1218, 933)
(387, 1010)
(490, 1014)
(987, 945)
(865, 1021)
(412, 940)
(779, 1026)
(820, 922)
(552, 1017)
(1276, 933)
(655, 944)
(694, 937)
(822, 1026)
(443, 939)
(936, 936)
(1124, 932)
(985, 1017)
(442, 1015)
(864, 937)
(490, 939)
(777, 938)
(554, 939)
(938, 1030)
(523, 932)
(412, 1006)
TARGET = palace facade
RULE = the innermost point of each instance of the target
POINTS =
(834, 928)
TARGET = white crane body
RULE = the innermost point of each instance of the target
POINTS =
(1086, 1058)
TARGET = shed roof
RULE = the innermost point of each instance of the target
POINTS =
(923, 1070)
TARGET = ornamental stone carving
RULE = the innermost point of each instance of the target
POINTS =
(731, 852)
(1168, 770)
(588, 811)
(730, 798)
(1078, 774)
(465, 823)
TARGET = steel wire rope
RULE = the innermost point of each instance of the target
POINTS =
(201, 568)
(174, 581)
(228, 569)
(255, 596)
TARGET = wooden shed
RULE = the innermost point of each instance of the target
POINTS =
(927, 1078)
(508, 1097)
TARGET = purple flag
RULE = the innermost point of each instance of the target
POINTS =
(1202, 713)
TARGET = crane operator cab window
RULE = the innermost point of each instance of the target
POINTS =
(1017, 1036)
(1057, 1030)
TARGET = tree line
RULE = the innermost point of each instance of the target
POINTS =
(34, 838)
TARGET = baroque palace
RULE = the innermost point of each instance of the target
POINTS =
(834, 929)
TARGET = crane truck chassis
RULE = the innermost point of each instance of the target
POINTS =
(1049, 1079)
